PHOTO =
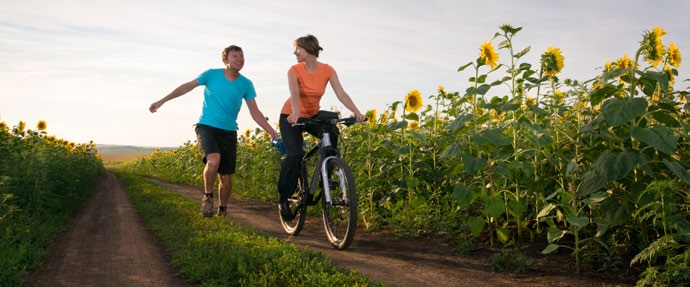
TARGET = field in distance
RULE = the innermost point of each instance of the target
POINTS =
(115, 153)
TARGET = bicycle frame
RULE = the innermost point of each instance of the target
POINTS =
(320, 172)
(322, 148)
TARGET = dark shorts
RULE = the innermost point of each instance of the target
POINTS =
(215, 140)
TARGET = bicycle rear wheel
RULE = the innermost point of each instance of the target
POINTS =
(298, 206)
(340, 216)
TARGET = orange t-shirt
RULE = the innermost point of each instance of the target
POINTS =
(311, 88)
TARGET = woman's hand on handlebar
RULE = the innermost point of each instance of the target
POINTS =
(293, 118)
(360, 117)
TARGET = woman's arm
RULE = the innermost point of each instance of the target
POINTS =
(344, 98)
(294, 98)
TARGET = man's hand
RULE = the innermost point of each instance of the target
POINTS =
(278, 144)
(154, 107)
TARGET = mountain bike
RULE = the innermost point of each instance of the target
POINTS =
(331, 183)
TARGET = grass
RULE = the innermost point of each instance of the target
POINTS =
(219, 252)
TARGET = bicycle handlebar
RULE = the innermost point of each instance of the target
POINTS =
(310, 121)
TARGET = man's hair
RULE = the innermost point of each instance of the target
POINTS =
(310, 44)
(229, 49)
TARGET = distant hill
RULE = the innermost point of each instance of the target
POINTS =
(111, 149)
(122, 153)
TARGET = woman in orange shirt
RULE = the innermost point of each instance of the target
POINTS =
(307, 81)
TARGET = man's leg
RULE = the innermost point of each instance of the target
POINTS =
(225, 189)
(210, 174)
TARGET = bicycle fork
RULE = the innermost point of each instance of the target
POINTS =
(326, 140)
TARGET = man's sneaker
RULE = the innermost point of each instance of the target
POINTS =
(207, 205)
(285, 212)
(222, 211)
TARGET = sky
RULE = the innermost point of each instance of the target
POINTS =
(91, 69)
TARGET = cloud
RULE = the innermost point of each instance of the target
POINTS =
(90, 69)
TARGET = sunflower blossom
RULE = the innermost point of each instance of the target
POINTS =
(607, 66)
(552, 61)
(413, 101)
(488, 55)
(41, 126)
(414, 125)
(371, 116)
(652, 46)
(384, 118)
(442, 91)
(529, 101)
(674, 55)
(624, 62)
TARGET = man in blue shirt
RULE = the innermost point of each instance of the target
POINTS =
(217, 127)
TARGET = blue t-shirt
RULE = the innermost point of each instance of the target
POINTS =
(223, 98)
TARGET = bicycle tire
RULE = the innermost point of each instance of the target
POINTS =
(298, 206)
(340, 216)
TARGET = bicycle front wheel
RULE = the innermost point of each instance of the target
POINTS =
(340, 215)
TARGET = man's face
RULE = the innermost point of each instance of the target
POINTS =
(234, 60)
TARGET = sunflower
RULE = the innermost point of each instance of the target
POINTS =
(413, 101)
(41, 126)
(652, 46)
(371, 116)
(442, 91)
(559, 97)
(488, 55)
(497, 115)
(529, 101)
(480, 111)
(552, 61)
(607, 66)
(674, 55)
(394, 109)
(3, 127)
(624, 62)
(414, 125)
(384, 117)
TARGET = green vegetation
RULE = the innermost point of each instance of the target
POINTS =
(597, 167)
(42, 180)
(220, 252)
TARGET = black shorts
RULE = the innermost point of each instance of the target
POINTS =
(215, 140)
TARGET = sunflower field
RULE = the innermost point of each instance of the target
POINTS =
(594, 167)
(42, 180)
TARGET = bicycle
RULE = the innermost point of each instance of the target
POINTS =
(331, 183)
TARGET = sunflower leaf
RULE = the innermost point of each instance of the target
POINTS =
(464, 67)
(397, 125)
(678, 170)
(659, 137)
(523, 52)
(481, 90)
(620, 111)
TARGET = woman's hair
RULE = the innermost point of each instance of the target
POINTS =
(229, 49)
(310, 44)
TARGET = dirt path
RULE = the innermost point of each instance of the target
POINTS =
(396, 262)
(108, 245)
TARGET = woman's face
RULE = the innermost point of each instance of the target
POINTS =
(300, 53)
